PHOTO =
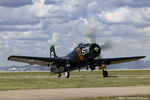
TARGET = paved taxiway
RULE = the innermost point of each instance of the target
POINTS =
(60, 94)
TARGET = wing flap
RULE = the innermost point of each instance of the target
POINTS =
(36, 60)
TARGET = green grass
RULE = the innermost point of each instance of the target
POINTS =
(134, 97)
(43, 80)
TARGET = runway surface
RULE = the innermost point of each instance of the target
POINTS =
(60, 94)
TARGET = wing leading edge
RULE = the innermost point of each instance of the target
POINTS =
(109, 61)
(36, 60)
(46, 61)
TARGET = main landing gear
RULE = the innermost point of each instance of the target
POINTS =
(105, 73)
(59, 75)
(67, 70)
(67, 74)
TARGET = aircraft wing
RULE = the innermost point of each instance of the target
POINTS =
(108, 61)
(36, 60)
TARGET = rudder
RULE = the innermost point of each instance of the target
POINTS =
(52, 52)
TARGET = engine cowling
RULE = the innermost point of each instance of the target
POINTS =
(90, 51)
(95, 50)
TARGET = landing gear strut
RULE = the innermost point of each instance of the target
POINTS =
(105, 73)
(67, 74)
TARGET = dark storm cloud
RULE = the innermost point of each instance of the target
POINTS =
(15, 3)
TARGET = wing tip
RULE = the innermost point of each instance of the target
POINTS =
(9, 58)
(143, 57)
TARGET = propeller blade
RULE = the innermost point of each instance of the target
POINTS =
(91, 34)
(108, 45)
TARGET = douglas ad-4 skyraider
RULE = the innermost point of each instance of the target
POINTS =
(83, 56)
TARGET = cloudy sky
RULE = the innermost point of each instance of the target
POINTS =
(28, 27)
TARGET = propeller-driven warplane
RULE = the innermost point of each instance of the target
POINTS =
(85, 55)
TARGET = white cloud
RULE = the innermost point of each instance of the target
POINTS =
(120, 15)
(1, 53)
(15, 35)
(14, 3)
(125, 15)
(15, 16)
(147, 31)
(7, 46)
(59, 38)
(38, 8)
(93, 6)
(54, 38)
(33, 27)
(126, 3)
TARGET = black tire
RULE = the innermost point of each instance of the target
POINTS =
(105, 73)
(59, 75)
(67, 74)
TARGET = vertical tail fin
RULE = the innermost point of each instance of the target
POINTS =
(52, 52)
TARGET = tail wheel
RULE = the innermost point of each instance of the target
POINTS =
(105, 73)
(67, 74)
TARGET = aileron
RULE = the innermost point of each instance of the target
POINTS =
(119, 60)
(35, 60)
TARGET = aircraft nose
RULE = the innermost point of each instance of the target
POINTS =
(96, 50)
